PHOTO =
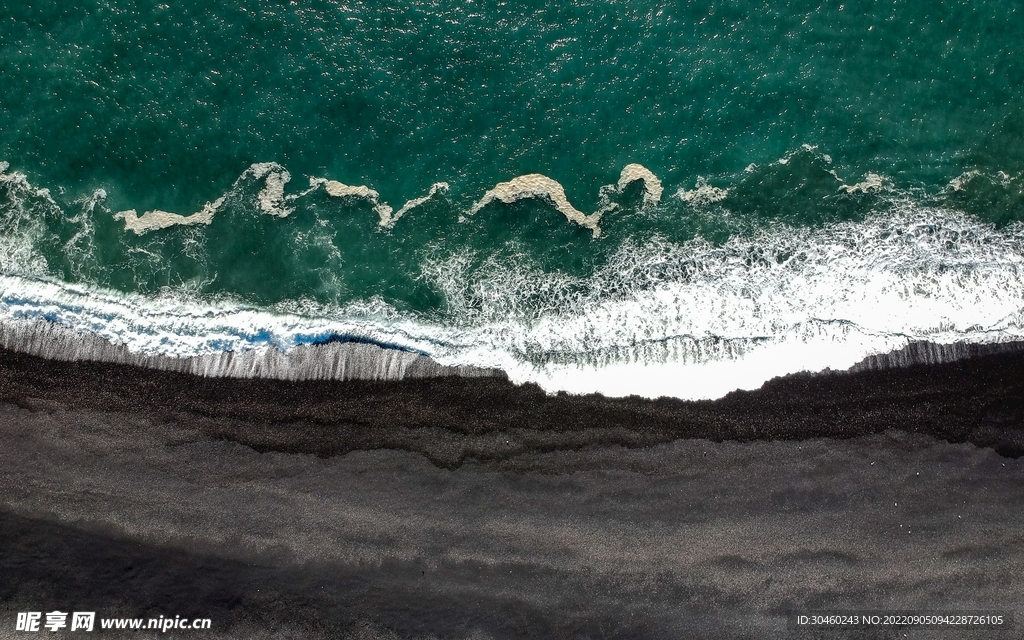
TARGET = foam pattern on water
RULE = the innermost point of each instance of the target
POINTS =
(687, 320)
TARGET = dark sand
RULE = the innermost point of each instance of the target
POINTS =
(471, 508)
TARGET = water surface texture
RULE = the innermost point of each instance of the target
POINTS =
(645, 198)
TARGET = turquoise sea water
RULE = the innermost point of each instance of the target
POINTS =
(793, 140)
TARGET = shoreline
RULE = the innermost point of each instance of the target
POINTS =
(972, 393)
(336, 359)
(343, 358)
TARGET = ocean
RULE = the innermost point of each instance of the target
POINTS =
(652, 198)
(498, 321)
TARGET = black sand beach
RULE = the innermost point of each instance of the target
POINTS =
(976, 399)
(473, 508)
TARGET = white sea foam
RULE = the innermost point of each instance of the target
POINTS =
(689, 320)
(536, 185)
(958, 183)
(23, 209)
(702, 194)
(156, 219)
(176, 332)
(697, 320)
(388, 217)
(872, 182)
(336, 189)
(272, 201)
(271, 197)
(638, 173)
(80, 248)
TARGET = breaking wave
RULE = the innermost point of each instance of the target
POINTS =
(659, 318)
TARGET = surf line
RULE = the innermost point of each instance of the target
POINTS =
(273, 201)
(536, 185)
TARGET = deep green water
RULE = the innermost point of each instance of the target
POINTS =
(108, 106)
